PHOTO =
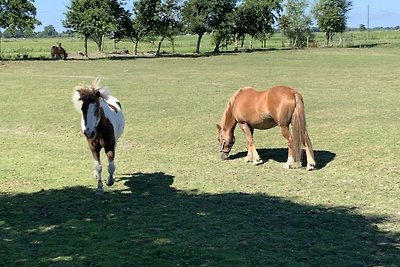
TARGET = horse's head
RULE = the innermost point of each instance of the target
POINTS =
(91, 111)
(226, 140)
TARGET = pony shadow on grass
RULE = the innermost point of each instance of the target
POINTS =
(322, 157)
(151, 223)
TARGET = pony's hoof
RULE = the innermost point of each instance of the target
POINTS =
(296, 165)
(310, 167)
(248, 159)
(257, 162)
(110, 181)
(99, 191)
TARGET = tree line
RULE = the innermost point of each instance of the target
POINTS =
(229, 21)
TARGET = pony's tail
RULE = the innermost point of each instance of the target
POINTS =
(299, 131)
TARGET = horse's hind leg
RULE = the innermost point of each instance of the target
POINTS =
(286, 133)
(309, 153)
(252, 154)
(111, 167)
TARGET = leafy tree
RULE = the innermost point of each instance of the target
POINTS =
(93, 19)
(201, 16)
(157, 18)
(48, 31)
(331, 16)
(220, 22)
(18, 15)
(256, 18)
(195, 18)
(169, 23)
(295, 25)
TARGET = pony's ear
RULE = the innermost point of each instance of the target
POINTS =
(97, 93)
(218, 127)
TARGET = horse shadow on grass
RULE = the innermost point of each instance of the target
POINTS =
(151, 223)
(322, 157)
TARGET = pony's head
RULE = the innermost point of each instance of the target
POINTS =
(87, 101)
(226, 140)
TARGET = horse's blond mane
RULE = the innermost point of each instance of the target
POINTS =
(228, 106)
(84, 91)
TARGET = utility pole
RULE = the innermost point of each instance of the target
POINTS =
(367, 22)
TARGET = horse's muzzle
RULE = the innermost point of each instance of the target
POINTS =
(224, 155)
(89, 134)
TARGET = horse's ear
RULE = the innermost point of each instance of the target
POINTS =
(97, 93)
(218, 127)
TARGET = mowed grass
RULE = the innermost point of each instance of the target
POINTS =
(175, 202)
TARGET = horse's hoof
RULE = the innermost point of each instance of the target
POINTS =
(257, 162)
(110, 181)
(248, 159)
(310, 167)
(99, 191)
(286, 166)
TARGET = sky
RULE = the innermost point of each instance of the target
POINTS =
(382, 13)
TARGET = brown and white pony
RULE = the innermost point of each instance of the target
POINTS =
(102, 124)
(279, 106)
(58, 52)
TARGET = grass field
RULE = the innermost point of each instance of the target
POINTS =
(175, 203)
(39, 48)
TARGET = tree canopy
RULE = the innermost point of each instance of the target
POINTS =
(93, 19)
(331, 16)
(16, 15)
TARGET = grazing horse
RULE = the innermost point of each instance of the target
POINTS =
(102, 124)
(279, 106)
(58, 52)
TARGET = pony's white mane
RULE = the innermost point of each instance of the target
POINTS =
(95, 86)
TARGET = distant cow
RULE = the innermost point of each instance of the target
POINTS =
(58, 52)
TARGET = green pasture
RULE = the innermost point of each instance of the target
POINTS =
(39, 48)
(175, 203)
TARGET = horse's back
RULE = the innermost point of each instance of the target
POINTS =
(265, 109)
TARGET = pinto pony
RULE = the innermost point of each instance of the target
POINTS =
(58, 52)
(102, 124)
(279, 106)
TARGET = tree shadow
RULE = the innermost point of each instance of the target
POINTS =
(150, 223)
(322, 157)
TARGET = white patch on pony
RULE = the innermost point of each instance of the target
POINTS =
(111, 167)
(92, 119)
(97, 170)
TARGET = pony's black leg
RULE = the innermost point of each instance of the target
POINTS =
(111, 166)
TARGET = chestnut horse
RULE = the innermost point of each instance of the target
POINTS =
(102, 124)
(279, 106)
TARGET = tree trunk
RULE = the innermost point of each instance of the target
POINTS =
(159, 45)
(216, 48)
(198, 42)
(327, 37)
(236, 43)
(85, 45)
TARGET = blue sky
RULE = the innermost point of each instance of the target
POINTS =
(381, 13)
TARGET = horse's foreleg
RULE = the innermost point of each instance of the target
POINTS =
(97, 168)
(111, 167)
(252, 154)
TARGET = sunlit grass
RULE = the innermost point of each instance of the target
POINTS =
(175, 202)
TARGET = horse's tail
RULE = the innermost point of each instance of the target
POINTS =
(299, 132)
